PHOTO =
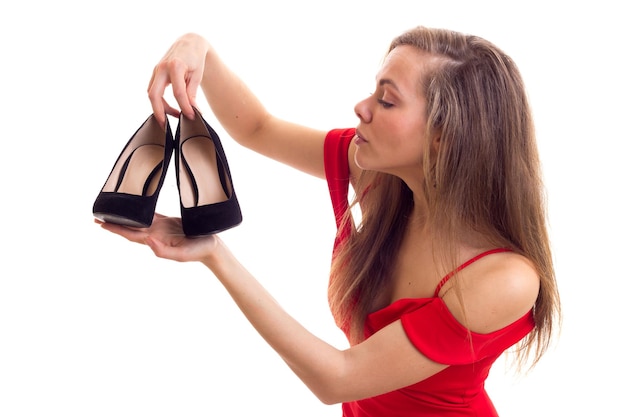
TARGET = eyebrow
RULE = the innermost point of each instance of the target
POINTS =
(387, 81)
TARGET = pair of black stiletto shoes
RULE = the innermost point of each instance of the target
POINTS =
(208, 202)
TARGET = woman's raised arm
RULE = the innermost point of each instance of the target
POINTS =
(191, 62)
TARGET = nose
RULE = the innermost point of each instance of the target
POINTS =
(362, 111)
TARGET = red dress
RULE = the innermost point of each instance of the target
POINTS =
(459, 389)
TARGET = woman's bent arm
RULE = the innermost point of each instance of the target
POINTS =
(368, 369)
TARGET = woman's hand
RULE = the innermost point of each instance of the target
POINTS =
(182, 67)
(167, 240)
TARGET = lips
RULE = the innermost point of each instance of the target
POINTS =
(359, 138)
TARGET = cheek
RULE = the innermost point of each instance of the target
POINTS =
(415, 141)
(411, 155)
(409, 146)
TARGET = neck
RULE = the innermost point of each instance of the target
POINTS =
(420, 214)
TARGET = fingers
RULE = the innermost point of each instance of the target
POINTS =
(163, 251)
(166, 239)
(173, 249)
(156, 90)
(181, 68)
(184, 91)
(179, 76)
(193, 84)
(134, 235)
(170, 110)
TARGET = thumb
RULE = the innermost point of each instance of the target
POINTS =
(155, 245)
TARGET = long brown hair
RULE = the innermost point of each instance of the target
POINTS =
(484, 179)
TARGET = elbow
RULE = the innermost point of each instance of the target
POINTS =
(330, 381)
(328, 398)
(251, 135)
(332, 391)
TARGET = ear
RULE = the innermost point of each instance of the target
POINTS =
(436, 142)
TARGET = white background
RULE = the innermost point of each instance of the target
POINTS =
(91, 325)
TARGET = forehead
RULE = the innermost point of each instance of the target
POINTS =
(405, 66)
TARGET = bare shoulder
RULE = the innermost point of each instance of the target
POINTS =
(496, 291)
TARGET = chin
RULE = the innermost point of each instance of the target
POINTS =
(360, 161)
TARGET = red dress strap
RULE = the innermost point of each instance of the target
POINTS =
(465, 264)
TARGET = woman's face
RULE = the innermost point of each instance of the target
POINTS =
(391, 132)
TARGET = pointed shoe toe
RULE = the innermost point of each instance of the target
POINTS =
(130, 193)
(208, 202)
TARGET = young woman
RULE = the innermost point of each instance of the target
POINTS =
(450, 264)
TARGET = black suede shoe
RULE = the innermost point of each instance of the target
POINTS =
(208, 203)
(129, 195)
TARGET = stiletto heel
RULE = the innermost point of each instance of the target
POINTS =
(130, 193)
(208, 202)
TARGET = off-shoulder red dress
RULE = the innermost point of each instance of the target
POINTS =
(459, 389)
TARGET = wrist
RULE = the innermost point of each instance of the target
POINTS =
(218, 258)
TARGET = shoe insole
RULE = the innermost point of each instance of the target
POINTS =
(139, 176)
(199, 152)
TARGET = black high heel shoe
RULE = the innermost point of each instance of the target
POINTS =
(208, 203)
(129, 195)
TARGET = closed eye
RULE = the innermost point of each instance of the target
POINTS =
(385, 104)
